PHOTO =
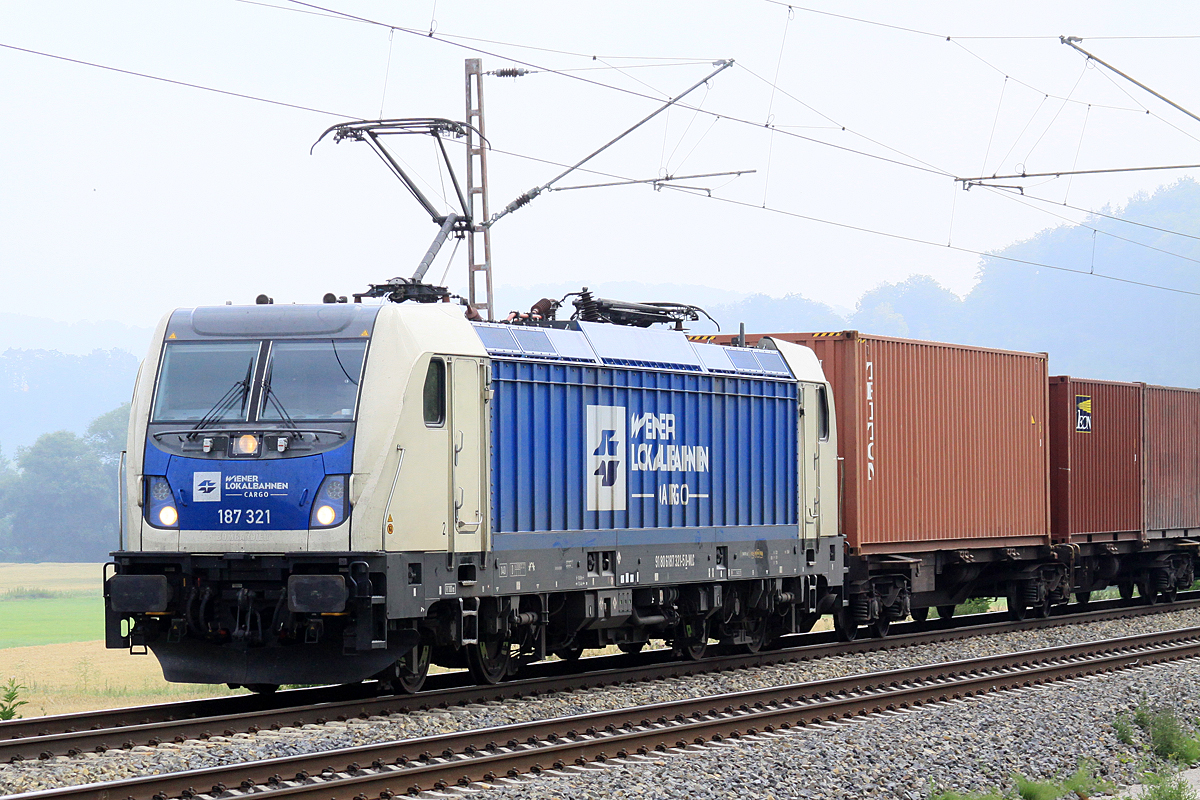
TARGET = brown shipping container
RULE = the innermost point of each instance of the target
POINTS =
(1172, 458)
(1096, 460)
(943, 445)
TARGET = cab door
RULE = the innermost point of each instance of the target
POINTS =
(467, 449)
(811, 418)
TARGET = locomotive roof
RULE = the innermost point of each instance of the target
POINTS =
(327, 319)
(620, 345)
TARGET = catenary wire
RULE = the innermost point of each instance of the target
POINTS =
(1092, 228)
(1110, 216)
(982, 254)
(722, 199)
(630, 92)
(939, 35)
(901, 237)
(179, 83)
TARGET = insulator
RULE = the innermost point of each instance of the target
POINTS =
(589, 309)
(509, 72)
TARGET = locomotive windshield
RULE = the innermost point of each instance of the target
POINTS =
(312, 380)
(210, 379)
(303, 380)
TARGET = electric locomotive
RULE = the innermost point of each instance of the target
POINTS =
(333, 492)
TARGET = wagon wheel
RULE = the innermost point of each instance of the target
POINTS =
(844, 625)
(413, 669)
(1148, 595)
(805, 622)
(1126, 589)
(1018, 609)
(1083, 598)
(1169, 595)
(488, 660)
(262, 688)
(632, 648)
(1042, 610)
(879, 628)
(570, 652)
(945, 612)
(919, 614)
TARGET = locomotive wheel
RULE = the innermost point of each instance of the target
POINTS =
(759, 628)
(693, 639)
(488, 660)
(945, 612)
(413, 669)
(919, 614)
(879, 628)
(632, 648)
(1126, 589)
(571, 653)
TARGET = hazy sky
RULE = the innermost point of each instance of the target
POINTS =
(123, 197)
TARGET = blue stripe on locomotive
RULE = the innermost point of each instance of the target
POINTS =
(542, 460)
(294, 483)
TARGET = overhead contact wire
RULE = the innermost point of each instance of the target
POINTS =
(179, 83)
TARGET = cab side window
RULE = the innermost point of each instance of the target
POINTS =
(435, 393)
(822, 415)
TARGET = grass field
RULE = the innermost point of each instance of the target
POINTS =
(52, 642)
(51, 620)
(56, 578)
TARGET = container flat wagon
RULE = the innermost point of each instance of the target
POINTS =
(1123, 480)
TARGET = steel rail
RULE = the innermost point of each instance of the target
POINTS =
(461, 758)
(151, 725)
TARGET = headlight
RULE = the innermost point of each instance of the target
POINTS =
(245, 446)
(160, 503)
(330, 506)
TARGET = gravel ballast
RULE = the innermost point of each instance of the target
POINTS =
(969, 745)
(966, 746)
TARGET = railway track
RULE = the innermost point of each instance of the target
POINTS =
(437, 762)
(126, 728)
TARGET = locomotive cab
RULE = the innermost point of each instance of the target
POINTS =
(246, 556)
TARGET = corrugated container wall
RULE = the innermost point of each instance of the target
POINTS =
(1172, 458)
(942, 444)
(1096, 460)
(697, 450)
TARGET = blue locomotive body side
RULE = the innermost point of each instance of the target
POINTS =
(587, 456)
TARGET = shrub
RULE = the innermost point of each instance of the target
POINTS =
(976, 605)
(10, 699)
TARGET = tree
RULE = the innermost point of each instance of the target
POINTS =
(107, 434)
(61, 501)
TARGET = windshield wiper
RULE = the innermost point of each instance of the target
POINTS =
(288, 423)
(226, 402)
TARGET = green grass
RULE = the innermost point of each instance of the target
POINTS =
(1170, 740)
(29, 622)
